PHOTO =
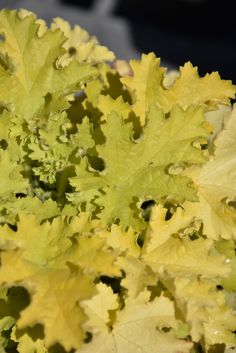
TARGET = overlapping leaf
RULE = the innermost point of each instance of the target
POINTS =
(143, 162)
(80, 45)
(139, 328)
(120, 278)
(216, 183)
(56, 150)
(31, 73)
(146, 87)
(42, 255)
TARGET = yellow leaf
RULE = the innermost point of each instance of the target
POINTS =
(107, 105)
(216, 184)
(57, 263)
(80, 45)
(34, 74)
(55, 304)
(26, 344)
(149, 85)
(146, 84)
(137, 275)
(138, 328)
(180, 257)
(123, 241)
(98, 308)
(205, 310)
(160, 229)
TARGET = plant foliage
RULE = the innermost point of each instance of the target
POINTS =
(117, 199)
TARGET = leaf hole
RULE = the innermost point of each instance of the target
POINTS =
(48, 98)
(217, 348)
(3, 144)
(148, 203)
(20, 195)
(88, 338)
(140, 240)
(194, 236)
(167, 115)
(2, 37)
(13, 227)
(165, 329)
(168, 215)
(232, 204)
(96, 163)
(72, 51)
(146, 207)
(114, 283)
(204, 146)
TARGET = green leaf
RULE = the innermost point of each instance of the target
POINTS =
(34, 74)
(146, 87)
(56, 149)
(11, 179)
(138, 169)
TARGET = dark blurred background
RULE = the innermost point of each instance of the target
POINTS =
(202, 31)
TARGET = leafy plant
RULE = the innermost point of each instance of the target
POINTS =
(117, 199)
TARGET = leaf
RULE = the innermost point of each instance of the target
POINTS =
(138, 328)
(144, 163)
(138, 276)
(55, 262)
(107, 105)
(177, 253)
(205, 310)
(11, 179)
(97, 309)
(146, 87)
(31, 205)
(80, 45)
(56, 150)
(55, 305)
(34, 75)
(181, 257)
(160, 229)
(216, 183)
(26, 344)
(125, 242)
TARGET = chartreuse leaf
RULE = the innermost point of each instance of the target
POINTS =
(42, 26)
(140, 327)
(138, 275)
(172, 248)
(112, 279)
(144, 163)
(107, 105)
(59, 290)
(216, 183)
(55, 263)
(29, 205)
(205, 311)
(146, 87)
(160, 229)
(123, 241)
(99, 307)
(56, 150)
(11, 178)
(33, 73)
(80, 45)
(26, 344)
(181, 257)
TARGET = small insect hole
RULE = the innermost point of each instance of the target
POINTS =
(72, 51)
